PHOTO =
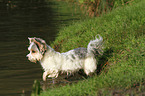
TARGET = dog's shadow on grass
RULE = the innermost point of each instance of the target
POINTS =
(103, 60)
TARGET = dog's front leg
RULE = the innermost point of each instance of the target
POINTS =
(45, 75)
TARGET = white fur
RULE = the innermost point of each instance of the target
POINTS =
(54, 62)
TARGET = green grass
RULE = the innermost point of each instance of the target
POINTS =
(124, 41)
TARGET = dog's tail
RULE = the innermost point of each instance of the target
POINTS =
(95, 47)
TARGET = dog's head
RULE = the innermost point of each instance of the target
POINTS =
(37, 49)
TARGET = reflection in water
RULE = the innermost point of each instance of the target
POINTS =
(19, 20)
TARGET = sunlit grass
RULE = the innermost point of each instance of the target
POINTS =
(123, 33)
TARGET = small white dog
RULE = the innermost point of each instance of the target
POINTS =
(54, 62)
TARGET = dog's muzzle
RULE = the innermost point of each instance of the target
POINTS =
(31, 58)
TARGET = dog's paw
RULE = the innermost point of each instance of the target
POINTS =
(45, 75)
(54, 75)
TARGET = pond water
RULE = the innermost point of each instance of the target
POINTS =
(20, 19)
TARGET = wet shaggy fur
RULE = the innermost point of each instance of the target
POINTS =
(54, 62)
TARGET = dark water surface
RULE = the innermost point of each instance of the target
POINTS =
(19, 20)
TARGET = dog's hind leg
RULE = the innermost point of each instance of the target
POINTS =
(90, 65)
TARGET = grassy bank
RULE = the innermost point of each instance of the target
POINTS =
(121, 68)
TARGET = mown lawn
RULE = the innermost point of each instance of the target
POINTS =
(122, 67)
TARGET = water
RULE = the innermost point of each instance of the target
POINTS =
(19, 20)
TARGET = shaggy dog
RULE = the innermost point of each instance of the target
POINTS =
(54, 62)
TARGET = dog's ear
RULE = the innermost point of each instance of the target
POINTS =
(40, 43)
(30, 40)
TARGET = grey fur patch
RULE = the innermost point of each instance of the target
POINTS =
(81, 52)
(91, 44)
(73, 56)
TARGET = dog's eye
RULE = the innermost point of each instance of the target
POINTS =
(33, 51)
